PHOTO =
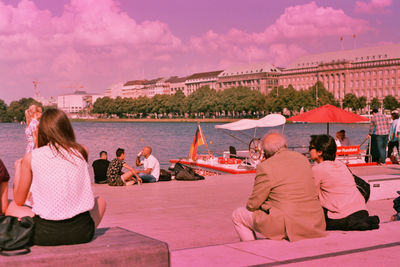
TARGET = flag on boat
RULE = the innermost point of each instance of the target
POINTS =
(198, 140)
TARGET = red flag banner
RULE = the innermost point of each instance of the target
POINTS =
(198, 140)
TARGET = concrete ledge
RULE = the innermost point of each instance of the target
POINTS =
(374, 247)
(111, 247)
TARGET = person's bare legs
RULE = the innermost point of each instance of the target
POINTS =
(129, 179)
(98, 210)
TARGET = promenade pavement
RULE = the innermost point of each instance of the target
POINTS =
(194, 218)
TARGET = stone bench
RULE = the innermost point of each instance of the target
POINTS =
(372, 248)
(111, 247)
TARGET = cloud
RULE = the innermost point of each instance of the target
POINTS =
(308, 23)
(373, 6)
(92, 42)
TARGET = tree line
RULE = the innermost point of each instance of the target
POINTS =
(235, 102)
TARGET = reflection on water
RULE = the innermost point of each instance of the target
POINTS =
(168, 140)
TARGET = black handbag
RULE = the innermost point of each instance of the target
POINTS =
(15, 235)
(363, 187)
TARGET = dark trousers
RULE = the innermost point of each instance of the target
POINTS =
(391, 146)
(381, 143)
(357, 221)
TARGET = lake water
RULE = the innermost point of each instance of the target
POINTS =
(168, 140)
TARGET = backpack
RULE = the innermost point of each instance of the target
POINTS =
(186, 173)
(164, 175)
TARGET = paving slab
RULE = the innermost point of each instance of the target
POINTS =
(193, 214)
(334, 248)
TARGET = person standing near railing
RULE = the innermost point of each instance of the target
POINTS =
(380, 125)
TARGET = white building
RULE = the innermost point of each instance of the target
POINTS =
(114, 90)
(176, 84)
(197, 80)
(134, 89)
(76, 102)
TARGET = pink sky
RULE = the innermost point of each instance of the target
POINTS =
(96, 43)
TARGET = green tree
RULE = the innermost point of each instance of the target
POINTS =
(351, 101)
(390, 102)
(362, 100)
(103, 105)
(375, 103)
(3, 112)
(178, 103)
(203, 100)
(16, 110)
(323, 96)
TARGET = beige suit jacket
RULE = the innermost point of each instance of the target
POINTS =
(284, 199)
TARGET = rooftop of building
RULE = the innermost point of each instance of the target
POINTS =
(384, 52)
(81, 93)
(204, 75)
(249, 69)
(153, 81)
(135, 82)
(176, 79)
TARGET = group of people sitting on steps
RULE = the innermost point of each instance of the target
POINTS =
(111, 172)
(293, 200)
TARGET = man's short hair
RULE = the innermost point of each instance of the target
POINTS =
(273, 142)
(375, 110)
(149, 148)
(326, 144)
(103, 152)
(395, 115)
(342, 131)
(119, 152)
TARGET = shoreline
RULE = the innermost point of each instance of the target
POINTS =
(154, 120)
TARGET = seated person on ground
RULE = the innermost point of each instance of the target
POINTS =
(64, 209)
(341, 139)
(4, 178)
(343, 204)
(151, 166)
(100, 167)
(284, 203)
(115, 176)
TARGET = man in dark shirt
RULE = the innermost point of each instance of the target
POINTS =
(100, 167)
(4, 177)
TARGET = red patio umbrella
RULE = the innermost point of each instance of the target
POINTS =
(328, 114)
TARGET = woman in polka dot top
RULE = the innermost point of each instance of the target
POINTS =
(64, 209)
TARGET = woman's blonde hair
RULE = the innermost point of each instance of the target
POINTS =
(30, 112)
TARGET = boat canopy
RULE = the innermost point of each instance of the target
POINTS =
(270, 120)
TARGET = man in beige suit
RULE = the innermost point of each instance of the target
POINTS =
(284, 203)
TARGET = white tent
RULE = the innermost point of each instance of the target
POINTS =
(270, 120)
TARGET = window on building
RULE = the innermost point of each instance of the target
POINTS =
(380, 72)
(374, 73)
(375, 82)
(387, 82)
(351, 75)
(380, 82)
(362, 84)
(393, 81)
(362, 74)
